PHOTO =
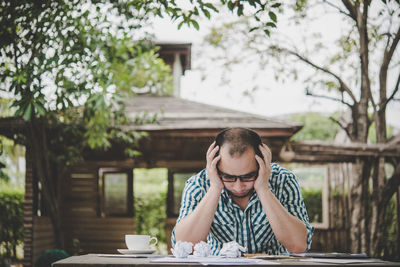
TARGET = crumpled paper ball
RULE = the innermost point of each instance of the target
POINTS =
(232, 250)
(182, 249)
(202, 249)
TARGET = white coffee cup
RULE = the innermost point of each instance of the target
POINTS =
(138, 242)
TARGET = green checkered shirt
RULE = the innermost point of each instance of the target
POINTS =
(249, 227)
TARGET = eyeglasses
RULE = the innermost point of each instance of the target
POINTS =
(249, 177)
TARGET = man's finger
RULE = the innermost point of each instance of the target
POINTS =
(211, 147)
(261, 163)
(266, 153)
(215, 161)
(211, 155)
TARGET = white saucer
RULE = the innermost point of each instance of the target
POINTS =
(136, 251)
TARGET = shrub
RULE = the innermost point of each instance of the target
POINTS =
(313, 201)
(11, 222)
(49, 256)
(150, 216)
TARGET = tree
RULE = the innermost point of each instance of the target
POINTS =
(359, 70)
(67, 66)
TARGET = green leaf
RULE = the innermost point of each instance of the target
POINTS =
(231, 5)
(207, 13)
(40, 109)
(132, 153)
(211, 6)
(272, 16)
(240, 10)
(180, 24)
(195, 24)
(28, 112)
(253, 29)
(271, 24)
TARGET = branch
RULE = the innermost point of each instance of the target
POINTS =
(387, 56)
(390, 188)
(395, 90)
(343, 86)
(341, 126)
(350, 7)
(337, 8)
(328, 97)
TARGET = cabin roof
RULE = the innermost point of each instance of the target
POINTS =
(180, 114)
(177, 114)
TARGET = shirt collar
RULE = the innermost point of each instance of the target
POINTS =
(227, 200)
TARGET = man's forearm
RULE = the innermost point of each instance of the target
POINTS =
(288, 229)
(196, 226)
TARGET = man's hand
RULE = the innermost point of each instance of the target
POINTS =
(265, 168)
(212, 172)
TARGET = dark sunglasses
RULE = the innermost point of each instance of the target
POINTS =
(228, 178)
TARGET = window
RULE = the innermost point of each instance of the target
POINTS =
(116, 192)
(176, 184)
(314, 186)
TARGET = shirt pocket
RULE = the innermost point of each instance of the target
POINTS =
(262, 232)
(223, 227)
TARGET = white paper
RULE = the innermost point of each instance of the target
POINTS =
(202, 249)
(131, 255)
(341, 261)
(216, 260)
(232, 250)
(182, 249)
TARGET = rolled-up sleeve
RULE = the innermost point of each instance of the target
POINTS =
(294, 203)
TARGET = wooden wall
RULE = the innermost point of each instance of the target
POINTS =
(330, 240)
(43, 235)
(82, 220)
(38, 230)
(28, 211)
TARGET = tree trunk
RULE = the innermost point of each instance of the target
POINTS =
(43, 171)
(378, 212)
(356, 208)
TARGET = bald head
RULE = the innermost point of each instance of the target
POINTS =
(239, 140)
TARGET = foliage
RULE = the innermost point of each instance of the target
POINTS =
(150, 217)
(74, 63)
(316, 127)
(262, 13)
(150, 192)
(391, 244)
(49, 256)
(313, 201)
(4, 176)
(11, 220)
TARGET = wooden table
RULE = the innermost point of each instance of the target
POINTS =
(95, 260)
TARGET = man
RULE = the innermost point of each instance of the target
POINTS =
(241, 196)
